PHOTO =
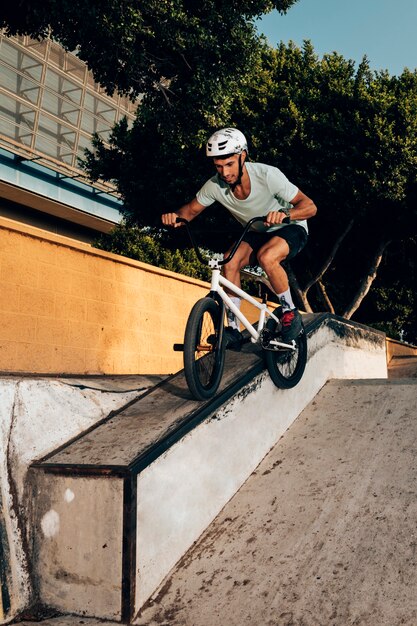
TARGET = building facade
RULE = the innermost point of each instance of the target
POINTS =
(50, 106)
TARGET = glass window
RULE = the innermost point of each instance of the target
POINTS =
(14, 109)
(19, 85)
(61, 108)
(53, 149)
(30, 66)
(47, 147)
(62, 86)
(8, 127)
(61, 133)
(20, 61)
(9, 53)
(83, 142)
(100, 108)
(18, 133)
(90, 124)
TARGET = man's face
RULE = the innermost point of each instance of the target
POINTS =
(228, 169)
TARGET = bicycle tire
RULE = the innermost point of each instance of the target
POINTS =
(203, 359)
(286, 367)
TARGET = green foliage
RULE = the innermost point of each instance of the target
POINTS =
(138, 244)
(136, 47)
(348, 138)
(392, 303)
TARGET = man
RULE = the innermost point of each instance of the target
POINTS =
(247, 190)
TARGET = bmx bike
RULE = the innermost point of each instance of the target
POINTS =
(205, 339)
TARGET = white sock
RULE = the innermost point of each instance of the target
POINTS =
(232, 320)
(285, 300)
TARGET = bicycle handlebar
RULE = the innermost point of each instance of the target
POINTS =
(236, 244)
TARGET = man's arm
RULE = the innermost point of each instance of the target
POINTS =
(303, 208)
(189, 211)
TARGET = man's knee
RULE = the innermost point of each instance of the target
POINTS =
(269, 257)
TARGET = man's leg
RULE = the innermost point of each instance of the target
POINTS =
(270, 257)
(232, 273)
(241, 258)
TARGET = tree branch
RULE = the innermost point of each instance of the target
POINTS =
(367, 280)
(324, 295)
(330, 258)
(301, 295)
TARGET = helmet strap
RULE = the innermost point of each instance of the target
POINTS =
(239, 177)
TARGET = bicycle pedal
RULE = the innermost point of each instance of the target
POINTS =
(269, 341)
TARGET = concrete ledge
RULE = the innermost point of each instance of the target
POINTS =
(399, 349)
(37, 415)
(172, 465)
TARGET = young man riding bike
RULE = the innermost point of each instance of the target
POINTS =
(250, 190)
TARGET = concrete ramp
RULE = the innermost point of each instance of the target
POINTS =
(115, 509)
(323, 533)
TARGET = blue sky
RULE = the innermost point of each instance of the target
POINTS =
(384, 30)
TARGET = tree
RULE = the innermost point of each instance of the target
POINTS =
(137, 48)
(349, 139)
(185, 59)
(346, 136)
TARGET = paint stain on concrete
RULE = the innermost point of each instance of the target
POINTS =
(69, 495)
(50, 524)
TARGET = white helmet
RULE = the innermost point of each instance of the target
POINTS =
(226, 141)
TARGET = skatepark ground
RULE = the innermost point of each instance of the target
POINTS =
(324, 532)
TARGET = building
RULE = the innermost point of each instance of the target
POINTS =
(50, 106)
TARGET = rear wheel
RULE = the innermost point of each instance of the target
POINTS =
(285, 365)
(203, 348)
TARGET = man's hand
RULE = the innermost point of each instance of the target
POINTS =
(170, 219)
(274, 217)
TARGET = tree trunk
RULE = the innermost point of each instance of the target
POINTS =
(367, 280)
(296, 289)
(317, 278)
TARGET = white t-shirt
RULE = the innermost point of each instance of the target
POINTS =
(270, 191)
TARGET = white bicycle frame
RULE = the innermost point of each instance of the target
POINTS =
(217, 283)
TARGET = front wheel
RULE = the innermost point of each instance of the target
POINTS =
(204, 349)
(286, 366)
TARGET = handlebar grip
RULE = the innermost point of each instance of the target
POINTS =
(286, 220)
(181, 220)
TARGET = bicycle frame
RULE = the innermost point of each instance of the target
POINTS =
(218, 281)
(204, 342)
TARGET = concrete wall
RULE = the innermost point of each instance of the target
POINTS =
(36, 417)
(67, 308)
(181, 491)
(185, 488)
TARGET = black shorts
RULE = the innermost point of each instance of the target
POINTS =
(296, 237)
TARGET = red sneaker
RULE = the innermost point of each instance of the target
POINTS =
(291, 324)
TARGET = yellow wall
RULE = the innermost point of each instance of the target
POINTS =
(67, 308)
